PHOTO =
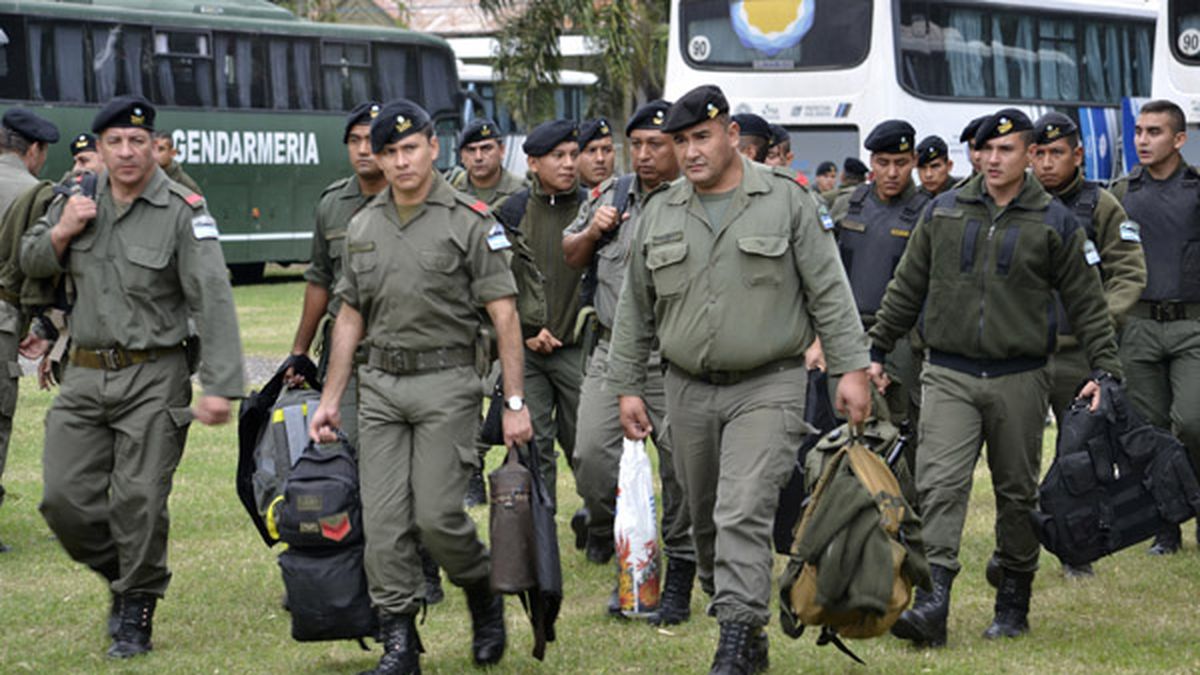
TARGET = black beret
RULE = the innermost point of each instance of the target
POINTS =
(362, 113)
(968, 132)
(931, 148)
(779, 135)
(1053, 126)
(479, 129)
(702, 103)
(130, 111)
(592, 130)
(753, 125)
(548, 135)
(83, 143)
(652, 115)
(29, 125)
(891, 136)
(397, 120)
(854, 167)
(1004, 122)
(825, 167)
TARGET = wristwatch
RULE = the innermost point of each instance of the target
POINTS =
(514, 403)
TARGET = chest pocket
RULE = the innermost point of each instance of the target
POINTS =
(439, 262)
(147, 253)
(335, 240)
(667, 268)
(762, 259)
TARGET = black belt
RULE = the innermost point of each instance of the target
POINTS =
(1163, 310)
(985, 367)
(723, 377)
(405, 361)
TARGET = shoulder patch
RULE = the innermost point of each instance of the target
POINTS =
(204, 227)
(480, 207)
(1090, 254)
(497, 240)
(1131, 231)
(193, 199)
(823, 214)
(595, 193)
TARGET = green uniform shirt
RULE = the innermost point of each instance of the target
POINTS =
(1122, 264)
(986, 284)
(176, 173)
(546, 216)
(755, 290)
(493, 196)
(338, 203)
(139, 276)
(419, 284)
(15, 179)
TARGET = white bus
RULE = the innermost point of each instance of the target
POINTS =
(1177, 65)
(830, 71)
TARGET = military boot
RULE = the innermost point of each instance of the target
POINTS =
(433, 578)
(1012, 606)
(925, 622)
(401, 646)
(487, 622)
(600, 549)
(579, 523)
(114, 615)
(476, 490)
(675, 605)
(1167, 542)
(136, 625)
(741, 650)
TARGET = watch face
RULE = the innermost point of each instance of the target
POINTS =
(514, 403)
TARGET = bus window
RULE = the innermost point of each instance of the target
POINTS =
(56, 62)
(12, 58)
(1184, 38)
(237, 83)
(1009, 55)
(346, 72)
(391, 72)
(291, 74)
(183, 68)
(437, 80)
(717, 34)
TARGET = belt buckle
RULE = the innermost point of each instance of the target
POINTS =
(111, 358)
(720, 377)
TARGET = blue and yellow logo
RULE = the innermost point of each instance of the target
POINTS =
(771, 26)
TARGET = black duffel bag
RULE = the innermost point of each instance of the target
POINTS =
(327, 594)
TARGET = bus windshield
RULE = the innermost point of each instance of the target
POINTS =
(1004, 54)
(1185, 30)
(746, 35)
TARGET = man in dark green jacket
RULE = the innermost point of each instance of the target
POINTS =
(984, 263)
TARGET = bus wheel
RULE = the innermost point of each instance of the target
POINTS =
(246, 273)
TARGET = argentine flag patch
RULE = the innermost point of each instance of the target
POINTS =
(1131, 231)
(204, 227)
(1090, 253)
(826, 221)
(496, 239)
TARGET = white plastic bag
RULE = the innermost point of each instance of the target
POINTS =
(635, 529)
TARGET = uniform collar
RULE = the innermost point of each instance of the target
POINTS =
(752, 183)
(556, 198)
(156, 193)
(1031, 197)
(905, 194)
(13, 160)
(1072, 187)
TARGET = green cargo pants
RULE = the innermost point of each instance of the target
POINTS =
(417, 436)
(113, 441)
(961, 412)
(598, 448)
(734, 447)
(1162, 373)
(1068, 369)
(552, 383)
(10, 376)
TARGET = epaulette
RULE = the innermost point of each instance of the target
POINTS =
(474, 203)
(790, 176)
(599, 190)
(191, 198)
(336, 185)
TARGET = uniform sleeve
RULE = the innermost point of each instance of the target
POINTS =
(491, 274)
(827, 295)
(320, 270)
(38, 259)
(905, 294)
(347, 286)
(1078, 282)
(1123, 264)
(205, 283)
(634, 326)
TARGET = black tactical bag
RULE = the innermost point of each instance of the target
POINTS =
(327, 594)
(320, 507)
(1115, 481)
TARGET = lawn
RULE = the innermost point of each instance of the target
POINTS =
(222, 613)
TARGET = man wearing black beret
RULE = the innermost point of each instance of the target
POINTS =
(755, 136)
(481, 153)
(983, 271)
(421, 259)
(854, 173)
(934, 166)
(116, 430)
(826, 177)
(84, 154)
(734, 271)
(968, 136)
(779, 152)
(597, 154)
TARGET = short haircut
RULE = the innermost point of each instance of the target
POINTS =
(164, 135)
(1173, 111)
(13, 141)
(759, 144)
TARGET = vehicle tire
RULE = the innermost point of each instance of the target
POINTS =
(246, 273)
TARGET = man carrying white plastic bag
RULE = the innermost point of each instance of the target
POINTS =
(635, 530)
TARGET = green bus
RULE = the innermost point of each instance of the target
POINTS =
(254, 97)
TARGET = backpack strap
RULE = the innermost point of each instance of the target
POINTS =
(830, 636)
(912, 211)
(512, 210)
(1085, 207)
(857, 198)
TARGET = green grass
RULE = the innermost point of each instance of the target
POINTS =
(222, 612)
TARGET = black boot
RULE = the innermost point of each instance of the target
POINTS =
(675, 605)
(487, 623)
(741, 650)
(1012, 606)
(579, 523)
(994, 572)
(1167, 542)
(114, 615)
(136, 625)
(476, 490)
(433, 577)
(401, 646)
(925, 622)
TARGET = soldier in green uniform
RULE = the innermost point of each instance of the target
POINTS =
(854, 173)
(165, 153)
(601, 238)
(1057, 159)
(975, 156)
(754, 138)
(144, 258)
(735, 271)
(24, 145)
(1160, 342)
(779, 152)
(481, 151)
(984, 264)
(84, 154)
(421, 260)
(826, 177)
(934, 166)
(597, 154)
(874, 223)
